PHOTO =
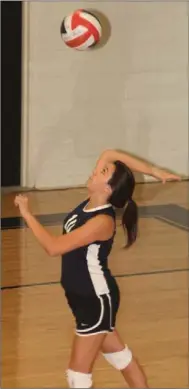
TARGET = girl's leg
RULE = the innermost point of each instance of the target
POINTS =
(84, 352)
(121, 358)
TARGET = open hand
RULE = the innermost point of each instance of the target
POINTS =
(21, 201)
(164, 175)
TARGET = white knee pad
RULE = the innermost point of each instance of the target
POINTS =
(121, 359)
(78, 380)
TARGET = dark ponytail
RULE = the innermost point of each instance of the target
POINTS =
(130, 222)
(122, 183)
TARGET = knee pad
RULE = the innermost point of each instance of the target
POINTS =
(78, 380)
(121, 359)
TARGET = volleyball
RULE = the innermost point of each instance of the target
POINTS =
(81, 30)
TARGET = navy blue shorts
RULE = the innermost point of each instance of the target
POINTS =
(94, 314)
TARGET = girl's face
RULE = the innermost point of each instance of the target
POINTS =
(98, 181)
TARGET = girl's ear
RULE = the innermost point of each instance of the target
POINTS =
(108, 189)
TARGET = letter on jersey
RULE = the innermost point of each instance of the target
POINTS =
(70, 223)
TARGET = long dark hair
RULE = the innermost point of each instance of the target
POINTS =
(122, 183)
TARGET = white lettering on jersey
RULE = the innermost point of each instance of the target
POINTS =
(70, 223)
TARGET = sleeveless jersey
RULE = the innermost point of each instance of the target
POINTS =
(85, 270)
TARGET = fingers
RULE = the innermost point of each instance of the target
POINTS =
(177, 178)
(20, 199)
(20, 196)
(170, 178)
(16, 200)
(174, 177)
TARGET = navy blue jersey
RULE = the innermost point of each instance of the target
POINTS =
(85, 269)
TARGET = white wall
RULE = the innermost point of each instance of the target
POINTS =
(131, 94)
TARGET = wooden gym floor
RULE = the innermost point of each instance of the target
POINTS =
(37, 325)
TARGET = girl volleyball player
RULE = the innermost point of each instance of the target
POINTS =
(91, 290)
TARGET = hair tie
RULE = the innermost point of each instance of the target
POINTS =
(128, 201)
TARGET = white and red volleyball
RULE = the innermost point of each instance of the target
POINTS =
(81, 30)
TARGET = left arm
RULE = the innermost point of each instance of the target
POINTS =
(45, 239)
(100, 228)
(135, 164)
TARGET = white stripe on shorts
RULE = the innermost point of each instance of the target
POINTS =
(100, 318)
